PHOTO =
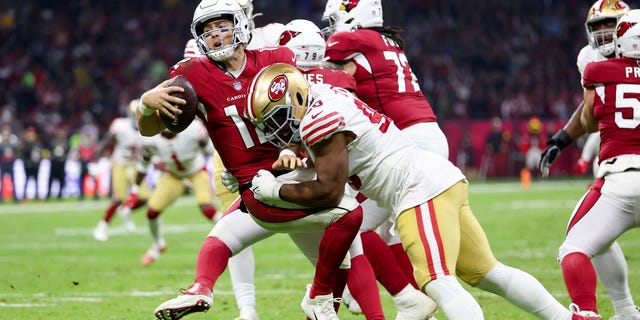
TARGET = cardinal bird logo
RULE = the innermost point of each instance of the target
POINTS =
(623, 27)
(348, 5)
(286, 36)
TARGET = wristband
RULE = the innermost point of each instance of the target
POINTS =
(134, 188)
(286, 152)
(562, 139)
(144, 110)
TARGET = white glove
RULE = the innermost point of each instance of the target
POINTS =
(229, 181)
(265, 188)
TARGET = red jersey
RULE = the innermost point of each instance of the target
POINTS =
(383, 75)
(242, 148)
(336, 78)
(616, 105)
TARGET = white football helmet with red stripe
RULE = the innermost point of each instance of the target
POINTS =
(305, 39)
(278, 99)
(348, 15)
(627, 35)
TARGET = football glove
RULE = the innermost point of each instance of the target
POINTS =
(229, 181)
(265, 188)
(557, 142)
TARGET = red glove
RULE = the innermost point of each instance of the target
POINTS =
(131, 201)
(581, 166)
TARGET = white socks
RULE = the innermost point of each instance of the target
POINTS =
(524, 291)
(453, 299)
(612, 270)
(241, 269)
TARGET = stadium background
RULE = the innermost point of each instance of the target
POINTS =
(72, 66)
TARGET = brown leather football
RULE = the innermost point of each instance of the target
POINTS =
(183, 120)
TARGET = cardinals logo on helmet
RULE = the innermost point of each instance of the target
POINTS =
(278, 87)
(286, 36)
(623, 27)
(348, 5)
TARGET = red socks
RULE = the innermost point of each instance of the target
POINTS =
(364, 288)
(334, 245)
(208, 211)
(212, 260)
(383, 262)
(404, 263)
(581, 280)
(111, 211)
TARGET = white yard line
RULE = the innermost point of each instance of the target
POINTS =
(99, 297)
(73, 206)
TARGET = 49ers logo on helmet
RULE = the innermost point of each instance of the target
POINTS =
(623, 27)
(278, 87)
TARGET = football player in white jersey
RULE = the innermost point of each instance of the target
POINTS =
(126, 141)
(610, 264)
(305, 39)
(349, 142)
(183, 158)
(374, 54)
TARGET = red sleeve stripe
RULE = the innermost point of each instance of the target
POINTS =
(322, 127)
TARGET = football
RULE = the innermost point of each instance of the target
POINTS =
(183, 120)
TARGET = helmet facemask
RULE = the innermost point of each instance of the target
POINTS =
(277, 101)
(600, 25)
(602, 38)
(280, 127)
(207, 12)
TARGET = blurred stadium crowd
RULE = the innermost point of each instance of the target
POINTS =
(68, 68)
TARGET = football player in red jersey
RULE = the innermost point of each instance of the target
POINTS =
(610, 263)
(612, 205)
(221, 77)
(305, 39)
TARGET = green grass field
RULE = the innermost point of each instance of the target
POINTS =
(52, 268)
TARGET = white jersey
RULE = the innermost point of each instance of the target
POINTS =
(181, 155)
(384, 165)
(266, 36)
(586, 55)
(128, 141)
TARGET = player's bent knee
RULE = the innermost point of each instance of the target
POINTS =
(568, 248)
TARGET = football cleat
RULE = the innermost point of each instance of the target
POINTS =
(197, 298)
(247, 313)
(412, 304)
(350, 302)
(320, 307)
(577, 314)
(633, 316)
(153, 254)
(101, 232)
